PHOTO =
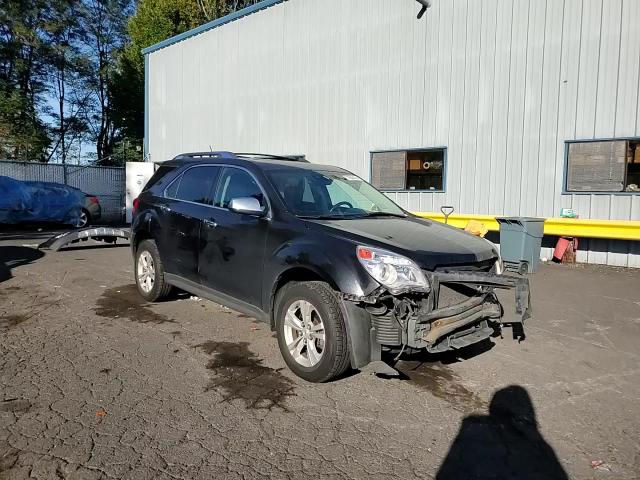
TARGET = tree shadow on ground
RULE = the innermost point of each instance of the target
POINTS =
(15, 256)
(506, 444)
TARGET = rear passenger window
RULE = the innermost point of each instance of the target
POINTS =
(172, 189)
(195, 185)
(236, 183)
(159, 178)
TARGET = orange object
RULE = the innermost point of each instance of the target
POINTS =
(101, 413)
(476, 228)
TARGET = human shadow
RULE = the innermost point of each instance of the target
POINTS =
(506, 444)
(15, 256)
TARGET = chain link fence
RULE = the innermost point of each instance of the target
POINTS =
(107, 183)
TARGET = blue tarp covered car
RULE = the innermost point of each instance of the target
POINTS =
(23, 201)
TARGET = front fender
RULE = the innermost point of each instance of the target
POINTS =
(335, 263)
(332, 261)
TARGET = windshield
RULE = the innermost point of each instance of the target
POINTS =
(330, 194)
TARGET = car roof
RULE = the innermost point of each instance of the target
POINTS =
(266, 162)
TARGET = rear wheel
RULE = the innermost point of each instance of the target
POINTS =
(149, 272)
(311, 331)
(85, 219)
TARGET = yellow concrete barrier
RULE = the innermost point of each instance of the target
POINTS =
(566, 227)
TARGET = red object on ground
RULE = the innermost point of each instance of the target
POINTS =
(562, 245)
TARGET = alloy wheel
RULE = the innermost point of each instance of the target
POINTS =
(146, 271)
(304, 333)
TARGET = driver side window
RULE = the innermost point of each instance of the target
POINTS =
(236, 183)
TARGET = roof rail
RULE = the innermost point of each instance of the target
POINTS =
(292, 158)
(223, 154)
(198, 155)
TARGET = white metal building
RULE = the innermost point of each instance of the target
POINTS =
(476, 105)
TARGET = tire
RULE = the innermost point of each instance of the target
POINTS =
(523, 268)
(85, 219)
(147, 255)
(325, 310)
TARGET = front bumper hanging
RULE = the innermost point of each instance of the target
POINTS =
(436, 322)
(103, 234)
(456, 326)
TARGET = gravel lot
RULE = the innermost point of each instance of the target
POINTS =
(94, 383)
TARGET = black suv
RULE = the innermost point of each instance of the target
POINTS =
(336, 268)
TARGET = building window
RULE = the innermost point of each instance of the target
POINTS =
(409, 169)
(603, 166)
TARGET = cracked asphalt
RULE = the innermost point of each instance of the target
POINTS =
(97, 384)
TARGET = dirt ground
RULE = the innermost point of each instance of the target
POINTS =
(95, 383)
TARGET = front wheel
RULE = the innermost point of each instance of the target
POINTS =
(149, 272)
(311, 331)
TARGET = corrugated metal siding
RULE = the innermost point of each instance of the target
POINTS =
(501, 83)
(107, 183)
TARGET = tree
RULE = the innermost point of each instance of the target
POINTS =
(104, 24)
(72, 71)
(23, 136)
(66, 66)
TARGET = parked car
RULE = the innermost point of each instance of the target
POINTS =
(31, 201)
(91, 211)
(335, 267)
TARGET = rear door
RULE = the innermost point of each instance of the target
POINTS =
(188, 200)
(233, 244)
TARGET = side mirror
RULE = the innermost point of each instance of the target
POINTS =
(247, 206)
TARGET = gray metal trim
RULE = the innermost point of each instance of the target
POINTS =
(211, 25)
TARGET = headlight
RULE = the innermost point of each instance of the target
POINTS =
(395, 272)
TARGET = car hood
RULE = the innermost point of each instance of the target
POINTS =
(429, 244)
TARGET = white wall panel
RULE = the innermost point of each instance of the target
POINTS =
(552, 82)
(469, 133)
(486, 76)
(514, 181)
(605, 114)
(501, 83)
(500, 106)
(588, 61)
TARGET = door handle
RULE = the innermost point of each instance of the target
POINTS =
(164, 208)
(210, 223)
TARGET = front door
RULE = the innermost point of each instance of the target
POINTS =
(232, 244)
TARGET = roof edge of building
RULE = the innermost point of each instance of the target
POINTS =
(211, 25)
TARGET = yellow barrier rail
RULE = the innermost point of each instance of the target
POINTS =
(564, 227)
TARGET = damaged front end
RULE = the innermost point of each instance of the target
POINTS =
(459, 309)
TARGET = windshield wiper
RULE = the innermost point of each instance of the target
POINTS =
(382, 214)
(321, 217)
(349, 217)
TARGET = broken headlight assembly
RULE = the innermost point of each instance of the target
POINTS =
(395, 272)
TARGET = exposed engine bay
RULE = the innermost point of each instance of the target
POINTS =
(460, 309)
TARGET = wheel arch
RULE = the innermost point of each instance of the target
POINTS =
(142, 229)
(295, 274)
